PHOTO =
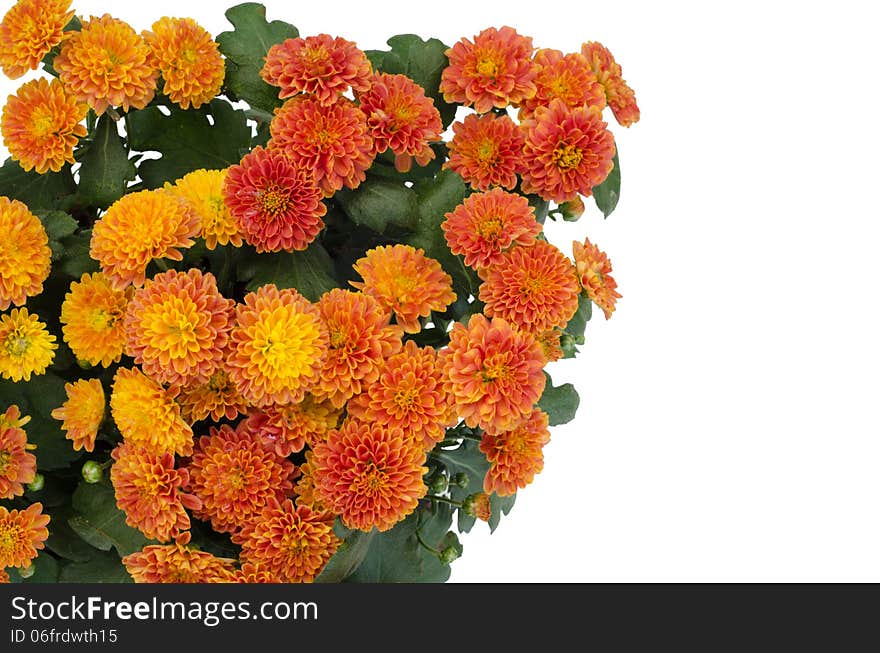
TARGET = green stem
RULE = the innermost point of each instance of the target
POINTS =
(434, 497)
(426, 545)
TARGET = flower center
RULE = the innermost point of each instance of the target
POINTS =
(406, 397)
(495, 370)
(5, 457)
(173, 328)
(9, 536)
(491, 228)
(286, 346)
(273, 200)
(488, 67)
(337, 339)
(101, 320)
(371, 481)
(487, 151)
(567, 156)
(17, 344)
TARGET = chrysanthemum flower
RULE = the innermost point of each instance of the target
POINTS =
(188, 59)
(4, 576)
(515, 456)
(41, 125)
(332, 141)
(594, 272)
(81, 415)
(478, 505)
(567, 152)
(22, 534)
(550, 344)
(567, 77)
(401, 118)
(408, 395)
(486, 224)
(29, 30)
(369, 475)
(177, 563)
(177, 326)
(360, 339)
(278, 346)
(494, 70)
(216, 398)
(147, 414)
(138, 228)
(533, 288)
(92, 319)
(305, 485)
(25, 257)
(275, 202)
(288, 428)
(107, 64)
(235, 477)
(621, 98)
(251, 574)
(26, 346)
(486, 151)
(406, 283)
(150, 491)
(292, 543)
(203, 189)
(492, 372)
(321, 65)
(17, 465)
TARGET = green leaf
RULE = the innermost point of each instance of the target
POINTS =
(187, 140)
(559, 402)
(76, 260)
(58, 225)
(377, 203)
(100, 523)
(607, 193)
(500, 506)
(309, 271)
(102, 568)
(106, 168)
(63, 540)
(46, 191)
(578, 322)
(45, 570)
(245, 48)
(469, 460)
(348, 557)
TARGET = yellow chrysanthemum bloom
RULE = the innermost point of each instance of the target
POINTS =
(188, 59)
(92, 319)
(26, 346)
(203, 189)
(81, 415)
(25, 257)
(30, 29)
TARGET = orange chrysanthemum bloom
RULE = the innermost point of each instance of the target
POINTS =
(203, 189)
(370, 475)
(332, 141)
(401, 118)
(22, 534)
(278, 346)
(177, 326)
(621, 98)
(147, 414)
(17, 465)
(361, 338)
(288, 428)
(550, 341)
(216, 398)
(515, 456)
(150, 491)
(567, 77)
(483, 226)
(29, 30)
(81, 415)
(408, 395)
(138, 228)
(274, 201)
(177, 563)
(406, 283)
(494, 70)
(533, 288)
(305, 485)
(26, 346)
(486, 151)
(4, 577)
(107, 64)
(41, 125)
(188, 59)
(252, 574)
(479, 505)
(291, 543)
(492, 372)
(567, 152)
(594, 272)
(25, 257)
(92, 319)
(321, 65)
(235, 477)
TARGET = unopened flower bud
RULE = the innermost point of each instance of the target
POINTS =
(449, 554)
(478, 505)
(37, 484)
(438, 484)
(572, 209)
(26, 572)
(92, 472)
(460, 480)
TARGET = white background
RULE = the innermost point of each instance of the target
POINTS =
(728, 429)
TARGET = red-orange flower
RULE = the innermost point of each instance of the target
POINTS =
(81, 415)
(288, 428)
(533, 288)
(177, 326)
(483, 226)
(305, 485)
(150, 491)
(567, 152)
(494, 70)
(550, 341)
(215, 398)
(22, 535)
(29, 30)
(369, 475)
(235, 477)
(406, 282)
(492, 372)
(321, 65)
(567, 77)
(621, 98)
(594, 272)
(17, 465)
(177, 563)
(275, 201)
(361, 338)
(251, 574)
(25, 257)
(486, 151)
(332, 141)
(515, 456)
